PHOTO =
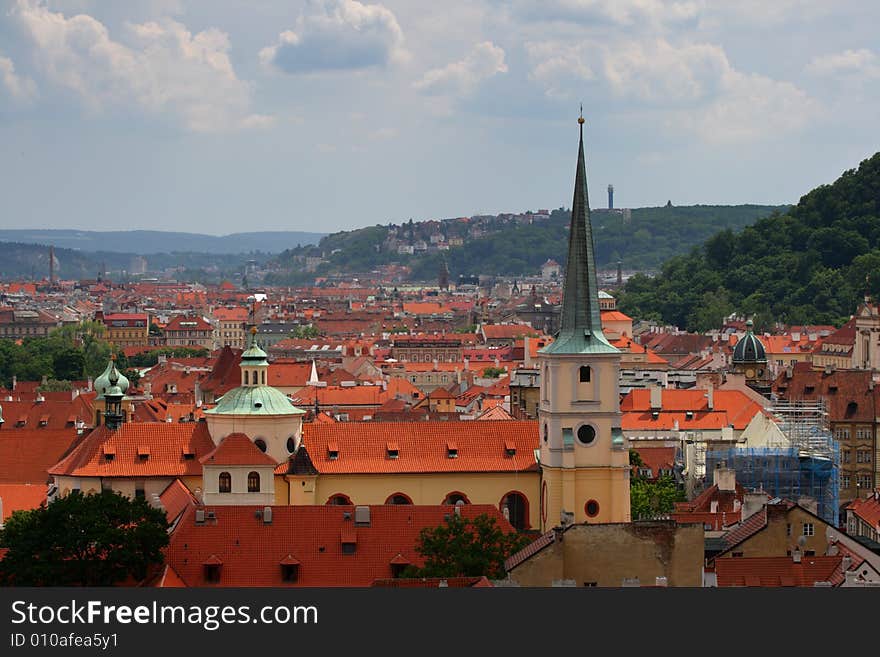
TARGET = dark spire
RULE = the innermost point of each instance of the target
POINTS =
(581, 323)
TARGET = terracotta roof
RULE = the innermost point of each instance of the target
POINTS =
(775, 571)
(362, 448)
(21, 497)
(730, 407)
(532, 548)
(27, 454)
(867, 509)
(250, 552)
(176, 498)
(507, 331)
(237, 449)
(169, 443)
(57, 414)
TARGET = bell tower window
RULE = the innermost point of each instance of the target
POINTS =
(584, 374)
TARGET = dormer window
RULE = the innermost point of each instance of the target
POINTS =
(143, 452)
(509, 448)
(332, 451)
(451, 451)
(392, 450)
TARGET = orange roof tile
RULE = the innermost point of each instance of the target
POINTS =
(27, 454)
(775, 571)
(169, 443)
(237, 449)
(21, 497)
(362, 448)
(251, 552)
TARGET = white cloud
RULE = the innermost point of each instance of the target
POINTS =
(695, 83)
(337, 35)
(625, 13)
(462, 77)
(862, 62)
(21, 89)
(161, 69)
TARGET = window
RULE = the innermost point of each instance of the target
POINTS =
(339, 500)
(253, 482)
(865, 481)
(349, 548)
(455, 498)
(591, 584)
(225, 481)
(788, 529)
(289, 572)
(586, 434)
(736, 554)
(584, 374)
(844, 456)
(808, 529)
(212, 573)
(545, 433)
(291, 445)
(845, 481)
(261, 444)
(398, 498)
(591, 508)
(863, 456)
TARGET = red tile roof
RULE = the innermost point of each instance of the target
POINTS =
(775, 571)
(362, 448)
(27, 454)
(867, 509)
(250, 552)
(168, 442)
(730, 407)
(21, 497)
(176, 498)
(237, 449)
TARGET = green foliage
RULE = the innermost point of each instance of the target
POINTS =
(810, 265)
(644, 240)
(83, 540)
(465, 548)
(309, 331)
(54, 385)
(651, 499)
(494, 372)
(151, 357)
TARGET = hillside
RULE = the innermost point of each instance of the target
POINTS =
(515, 244)
(810, 265)
(30, 261)
(146, 242)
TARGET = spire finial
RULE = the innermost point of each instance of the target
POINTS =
(581, 117)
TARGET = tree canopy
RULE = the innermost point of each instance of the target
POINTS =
(464, 547)
(83, 540)
(810, 265)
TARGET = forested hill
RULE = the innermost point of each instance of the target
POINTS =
(810, 265)
(517, 244)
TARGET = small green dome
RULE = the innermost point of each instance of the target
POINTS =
(258, 400)
(749, 349)
(110, 377)
(254, 355)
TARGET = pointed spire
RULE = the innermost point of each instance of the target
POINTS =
(313, 375)
(581, 322)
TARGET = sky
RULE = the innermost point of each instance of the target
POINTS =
(223, 116)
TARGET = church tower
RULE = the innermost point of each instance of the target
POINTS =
(584, 459)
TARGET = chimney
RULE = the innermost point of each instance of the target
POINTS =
(197, 392)
(90, 386)
(796, 555)
(710, 396)
(656, 397)
(796, 336)
(14, 381)
(725, 479)
(752, 503)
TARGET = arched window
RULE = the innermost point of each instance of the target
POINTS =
(584, 374)
(291, 445)
(225, 482)
(591, 508)
(253, 482)
(455, 497)
(515, 506)
(261, 444)
(263, 376)
(398, 498)
(339, 499)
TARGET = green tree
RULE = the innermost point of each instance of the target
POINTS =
(308, 331)
(494, 372)
(464, 547)
(649, 499)
(83, 540)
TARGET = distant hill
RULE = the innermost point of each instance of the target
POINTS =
(516, 244)
(146, 242)
(809, 265)
(31, 261)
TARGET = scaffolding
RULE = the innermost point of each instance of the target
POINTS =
(803, 465)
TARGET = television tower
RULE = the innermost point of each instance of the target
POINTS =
(610, 197)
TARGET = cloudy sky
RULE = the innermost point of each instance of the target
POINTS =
(220, 116)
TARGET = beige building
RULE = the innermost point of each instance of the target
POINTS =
(644, 553)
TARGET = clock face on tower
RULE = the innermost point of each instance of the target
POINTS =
(750, 373)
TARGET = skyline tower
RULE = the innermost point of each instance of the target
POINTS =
(584, 460)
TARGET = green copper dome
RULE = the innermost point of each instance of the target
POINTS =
(110, 377)
(749, 349)
(254, 400)
(254, 355)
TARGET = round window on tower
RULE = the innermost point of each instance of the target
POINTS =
(591, 508)
(586, 434)
(261, 444)
(291, 445)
